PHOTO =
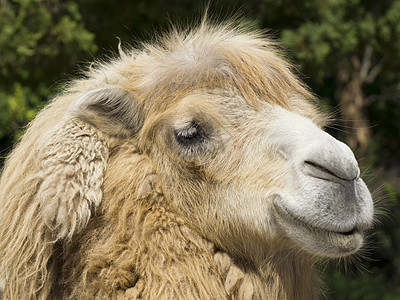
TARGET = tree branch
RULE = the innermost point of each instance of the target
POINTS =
(366, 62)
(375, 71)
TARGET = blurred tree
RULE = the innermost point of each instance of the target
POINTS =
(39, 41)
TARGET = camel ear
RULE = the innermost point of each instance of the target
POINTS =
(112, 109)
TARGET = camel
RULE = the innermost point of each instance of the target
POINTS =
(192, 167)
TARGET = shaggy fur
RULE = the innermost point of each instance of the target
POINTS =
(89, 198)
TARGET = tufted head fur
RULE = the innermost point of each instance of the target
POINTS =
(194, 167)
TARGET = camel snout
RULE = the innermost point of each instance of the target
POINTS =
(309, 149)
(329, 159)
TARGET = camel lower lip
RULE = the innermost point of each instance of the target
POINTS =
(291, 217)
(341, 242)
(319, 230)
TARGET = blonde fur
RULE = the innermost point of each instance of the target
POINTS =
(87, 210)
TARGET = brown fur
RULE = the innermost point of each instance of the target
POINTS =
(61, 237)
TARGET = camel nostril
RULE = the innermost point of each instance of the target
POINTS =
(319, 171)
(320, 168)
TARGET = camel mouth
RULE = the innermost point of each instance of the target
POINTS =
(327, 242)
(312, 227)
(350, 232)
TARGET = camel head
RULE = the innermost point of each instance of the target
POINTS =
(237, 143)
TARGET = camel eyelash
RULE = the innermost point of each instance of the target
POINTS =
(193, 138)
(190, 135)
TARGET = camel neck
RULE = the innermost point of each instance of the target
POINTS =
(282, 276)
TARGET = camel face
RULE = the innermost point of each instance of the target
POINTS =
(255, 177)
(237, 144)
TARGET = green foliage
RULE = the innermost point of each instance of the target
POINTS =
(39, 41)
(363, 285)
(339, 38)
(336, 30)
(37, 33)
(17, 108)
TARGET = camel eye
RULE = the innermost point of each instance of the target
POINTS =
(190, 135)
